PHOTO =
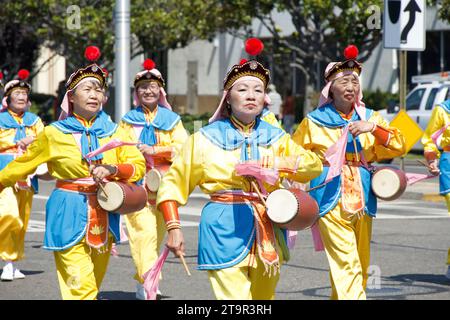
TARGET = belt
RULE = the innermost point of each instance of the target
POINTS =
(73, 186)
(447, 148)
(230, 197)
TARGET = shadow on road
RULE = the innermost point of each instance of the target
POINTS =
(428, 278)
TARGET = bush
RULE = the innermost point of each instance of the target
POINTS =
(42, 105)
(189, 121)
(378, 100)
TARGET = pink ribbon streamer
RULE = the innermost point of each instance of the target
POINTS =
(114, 251)
(291, 238)
(151, 277)
(115, 143)
(416, 177)
(269, 176)
(335, 155)
(317, 239)
(435, 136)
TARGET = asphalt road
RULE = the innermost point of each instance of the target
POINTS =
(408, 255)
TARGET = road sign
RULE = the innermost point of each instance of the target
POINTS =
(404, 24)
(408, 127)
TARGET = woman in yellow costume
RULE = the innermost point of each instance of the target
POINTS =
(346, 202)
(18, 128)
(77, 229)
(161, 134)
(238, 245)
(439, 164)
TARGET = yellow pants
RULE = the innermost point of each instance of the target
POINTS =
(15, 208)
(146, 230)
(447, 200)
(81, 270)
(244, 281)
(347, 244)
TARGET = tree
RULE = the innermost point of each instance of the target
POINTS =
(19, 45)
(444, 8)
(323, 28)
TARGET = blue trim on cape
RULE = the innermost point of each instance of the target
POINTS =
(226, 235)
(101, 128)
(6, 119)
(328, 116)
(445, 105)
(224, 134)
(444, 176)
(328, 196)
(66, 220)
(165, 119)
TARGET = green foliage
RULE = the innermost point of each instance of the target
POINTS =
(378, 100)
(193, 122)
(43, 105)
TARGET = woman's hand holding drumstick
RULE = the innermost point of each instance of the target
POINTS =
(175, 243)
(100, 172)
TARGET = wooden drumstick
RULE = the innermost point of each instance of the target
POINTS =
(100, 184)
(423, 163)
(255, 186)
(184, 264)
(356, 150)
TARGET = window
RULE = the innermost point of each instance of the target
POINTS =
(430, 100)
(413, 101)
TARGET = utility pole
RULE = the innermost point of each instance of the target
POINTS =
(122, 58)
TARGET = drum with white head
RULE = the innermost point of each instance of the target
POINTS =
(388, 183)
(292, 209)
(121, 197)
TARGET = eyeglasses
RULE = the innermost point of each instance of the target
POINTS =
(152, 87)
(19, 93)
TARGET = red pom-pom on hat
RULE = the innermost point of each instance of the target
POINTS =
(23, 74)
(351, 52)
(92, 53)
(254, 46)
(149, 64)
(242, 61)
(1, 75)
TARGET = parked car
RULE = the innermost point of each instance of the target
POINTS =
(431, 90)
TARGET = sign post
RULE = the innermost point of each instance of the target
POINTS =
(404, 30)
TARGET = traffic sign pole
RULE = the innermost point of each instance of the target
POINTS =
(403, 66)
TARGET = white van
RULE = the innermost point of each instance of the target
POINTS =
(431, 90)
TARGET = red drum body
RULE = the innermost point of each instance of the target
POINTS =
(292, 209)
(122, 197)
(388, 183)
(154, 176)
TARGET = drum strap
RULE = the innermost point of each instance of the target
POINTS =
(98, 222)
(265, 235)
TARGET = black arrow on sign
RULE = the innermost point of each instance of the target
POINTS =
(412, 7)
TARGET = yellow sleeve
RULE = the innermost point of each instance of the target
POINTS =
(395, 147)
(271, 119)
(39, 127)
(184, 174)
(179, 136)
(37, 153)
(130, 154)
(302, 136)
(303, 165)
(437, 121)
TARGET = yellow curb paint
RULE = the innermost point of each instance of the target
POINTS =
(432, 197)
